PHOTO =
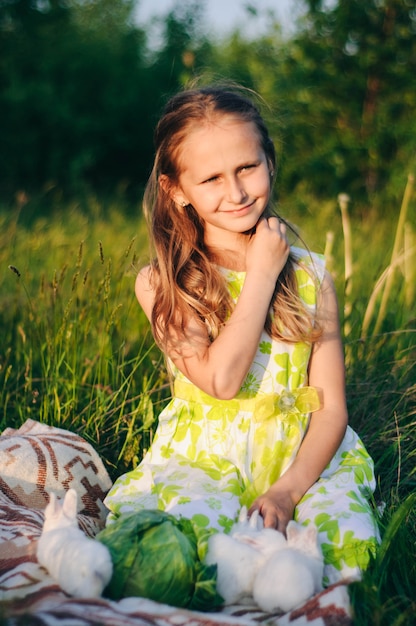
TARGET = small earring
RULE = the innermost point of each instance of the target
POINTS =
(183, 204)
(271, 173)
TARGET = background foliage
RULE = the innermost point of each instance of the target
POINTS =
(82, 84)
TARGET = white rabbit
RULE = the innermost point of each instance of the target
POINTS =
(240, 554)
(80, 565)
(289, 577)
(237, 565)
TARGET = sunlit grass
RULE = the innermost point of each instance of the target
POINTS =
(76, 350)
(386, 594)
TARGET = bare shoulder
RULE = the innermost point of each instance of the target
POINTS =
(328, 292)
(144, 289)
(328, 308)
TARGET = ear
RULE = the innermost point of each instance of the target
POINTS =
(172, 190)
(53, 506)
(311, 532)
(242, 517)
(69, 508)
(292, 530)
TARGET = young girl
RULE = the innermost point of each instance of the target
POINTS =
(250, 329)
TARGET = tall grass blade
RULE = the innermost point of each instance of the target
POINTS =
(396, 247)
(409, 265)
(388, 272)
(344, 200)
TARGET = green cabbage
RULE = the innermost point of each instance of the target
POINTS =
(157, 556)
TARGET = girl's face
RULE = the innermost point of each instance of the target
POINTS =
(225, 175)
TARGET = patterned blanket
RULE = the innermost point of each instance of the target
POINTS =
(37, 459)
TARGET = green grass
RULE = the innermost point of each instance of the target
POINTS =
(76, 352)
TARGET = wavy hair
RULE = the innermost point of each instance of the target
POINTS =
(186, 280)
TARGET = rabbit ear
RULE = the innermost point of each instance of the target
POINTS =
(70, 505)
(301, 535)
(52, 508)
(254, 518)
(311, 532)
(293, 530)
(243, 514)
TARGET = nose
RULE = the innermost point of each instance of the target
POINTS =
(235, 190)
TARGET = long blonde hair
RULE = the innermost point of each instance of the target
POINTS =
(187, 282)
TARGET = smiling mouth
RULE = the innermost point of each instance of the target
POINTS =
(242, 209)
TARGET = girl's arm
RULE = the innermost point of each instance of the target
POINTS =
(219, 367)
(326, 428)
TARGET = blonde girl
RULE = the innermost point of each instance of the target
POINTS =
(249, 326)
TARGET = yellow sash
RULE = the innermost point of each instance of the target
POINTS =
(262, 406)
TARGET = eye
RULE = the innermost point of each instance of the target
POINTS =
(249, 166)
(211, 179)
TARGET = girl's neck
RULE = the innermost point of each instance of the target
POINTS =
(231, 254)
(229, 259)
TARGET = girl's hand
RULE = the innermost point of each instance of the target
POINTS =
(276, 507)
(268, 249)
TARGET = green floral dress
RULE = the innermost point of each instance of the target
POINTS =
(210, 456)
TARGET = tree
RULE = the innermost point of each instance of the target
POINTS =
(349, 76)
(81, 91)
(73, 98)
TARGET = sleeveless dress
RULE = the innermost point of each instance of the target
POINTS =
(209, 457)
